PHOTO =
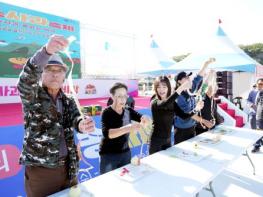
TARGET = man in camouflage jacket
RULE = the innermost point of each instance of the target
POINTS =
(49, 151)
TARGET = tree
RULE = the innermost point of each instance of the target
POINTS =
(255, 51)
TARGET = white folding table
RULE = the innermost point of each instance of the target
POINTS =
(173, 176)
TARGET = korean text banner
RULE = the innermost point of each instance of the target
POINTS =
(23, 31)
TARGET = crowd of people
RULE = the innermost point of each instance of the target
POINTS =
(50, 117)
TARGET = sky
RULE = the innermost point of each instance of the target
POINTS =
(178, 26)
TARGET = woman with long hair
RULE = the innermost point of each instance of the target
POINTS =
(164, 108)
(209, 112)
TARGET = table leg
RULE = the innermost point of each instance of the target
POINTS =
(211, 189)
(250, 160)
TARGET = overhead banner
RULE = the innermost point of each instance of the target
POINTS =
(23, 31)
(84, 88)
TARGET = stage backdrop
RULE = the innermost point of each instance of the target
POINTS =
(12, 174)
(23, 31)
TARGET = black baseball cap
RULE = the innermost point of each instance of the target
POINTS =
(182, 75)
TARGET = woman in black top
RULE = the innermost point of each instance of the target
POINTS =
(116, 126)
(164, 108)
(209, 111)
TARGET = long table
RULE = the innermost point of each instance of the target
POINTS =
(171, 174)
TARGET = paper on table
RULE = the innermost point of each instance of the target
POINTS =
(133, 173)
(222, 130)
(211, 139)
(190, 155)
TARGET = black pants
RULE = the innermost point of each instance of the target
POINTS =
(181, 135)
(199, 129)
(109, 162)
(259, 127)
(158, 144)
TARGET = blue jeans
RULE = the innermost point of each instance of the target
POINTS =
(109, 162)
(260, 141)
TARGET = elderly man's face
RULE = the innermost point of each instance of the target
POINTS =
(53, 77)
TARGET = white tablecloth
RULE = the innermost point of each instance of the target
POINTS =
(171, 175)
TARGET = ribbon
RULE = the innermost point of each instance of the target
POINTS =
(147, 130)
(71, 39)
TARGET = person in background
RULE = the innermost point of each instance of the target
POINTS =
(163, 110)
(185, 129)
(130, 102)
(252, 107)
(259, 114)
(49, 152)
(116, 125)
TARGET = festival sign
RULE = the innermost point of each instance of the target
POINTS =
(23, 31)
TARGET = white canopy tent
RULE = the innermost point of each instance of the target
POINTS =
(228, 55)
(163, 62)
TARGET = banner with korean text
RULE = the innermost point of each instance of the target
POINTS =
(84, 88)
(23, 31)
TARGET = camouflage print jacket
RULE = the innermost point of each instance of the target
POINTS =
(43, 123)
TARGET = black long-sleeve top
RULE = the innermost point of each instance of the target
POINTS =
(163, 113)
(110, 119)
(209, 112)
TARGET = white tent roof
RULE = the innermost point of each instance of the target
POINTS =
(228, 55)
(163, 62)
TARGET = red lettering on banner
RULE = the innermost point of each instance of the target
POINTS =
(68, 27)
(13, 91)
(8, 91)
(61, 26)
(55, 25)
(67, 90)
(9, 156)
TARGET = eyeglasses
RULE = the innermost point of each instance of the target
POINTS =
(121, 97)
